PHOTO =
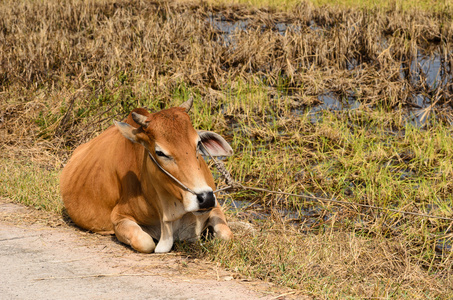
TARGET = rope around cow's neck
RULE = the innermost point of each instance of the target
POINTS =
(169, 175)
(219, 166)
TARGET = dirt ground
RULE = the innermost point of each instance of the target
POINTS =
(42, 257)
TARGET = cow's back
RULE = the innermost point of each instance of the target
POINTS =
(91, 181)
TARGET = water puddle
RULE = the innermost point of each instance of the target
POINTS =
(332, 102)
(227, 28)
(305, 217)
(444, 247)
(428, 71)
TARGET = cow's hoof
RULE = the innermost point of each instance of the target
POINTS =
(164, 246)
(223, 232)
(143, 243)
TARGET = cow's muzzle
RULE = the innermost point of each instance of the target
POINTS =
(206, 200)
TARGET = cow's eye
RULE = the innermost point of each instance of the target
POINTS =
(161, 154)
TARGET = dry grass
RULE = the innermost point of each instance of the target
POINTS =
(68, 68)
(333, 265)
(67, 62)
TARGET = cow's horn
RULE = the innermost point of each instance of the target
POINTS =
(188, 104)
(140, 119)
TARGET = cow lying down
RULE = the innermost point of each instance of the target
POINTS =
(112, 185)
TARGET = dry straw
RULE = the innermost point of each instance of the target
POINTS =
(72, 48)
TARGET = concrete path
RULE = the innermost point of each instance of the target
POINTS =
(44, 258)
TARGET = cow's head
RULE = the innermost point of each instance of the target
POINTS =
(170, 138)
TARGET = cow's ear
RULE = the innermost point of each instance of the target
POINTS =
(127, 130)
(216, 145)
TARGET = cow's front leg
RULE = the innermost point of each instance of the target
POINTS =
(166, 237)
(130, 233)
(218, 222)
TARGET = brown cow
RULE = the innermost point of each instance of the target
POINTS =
(112, 185)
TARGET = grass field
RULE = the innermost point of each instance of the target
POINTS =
(258, 76)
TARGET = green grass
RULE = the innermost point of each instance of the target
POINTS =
(30, 184)
(354, 151)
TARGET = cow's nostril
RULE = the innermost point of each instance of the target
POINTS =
(206, 200)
